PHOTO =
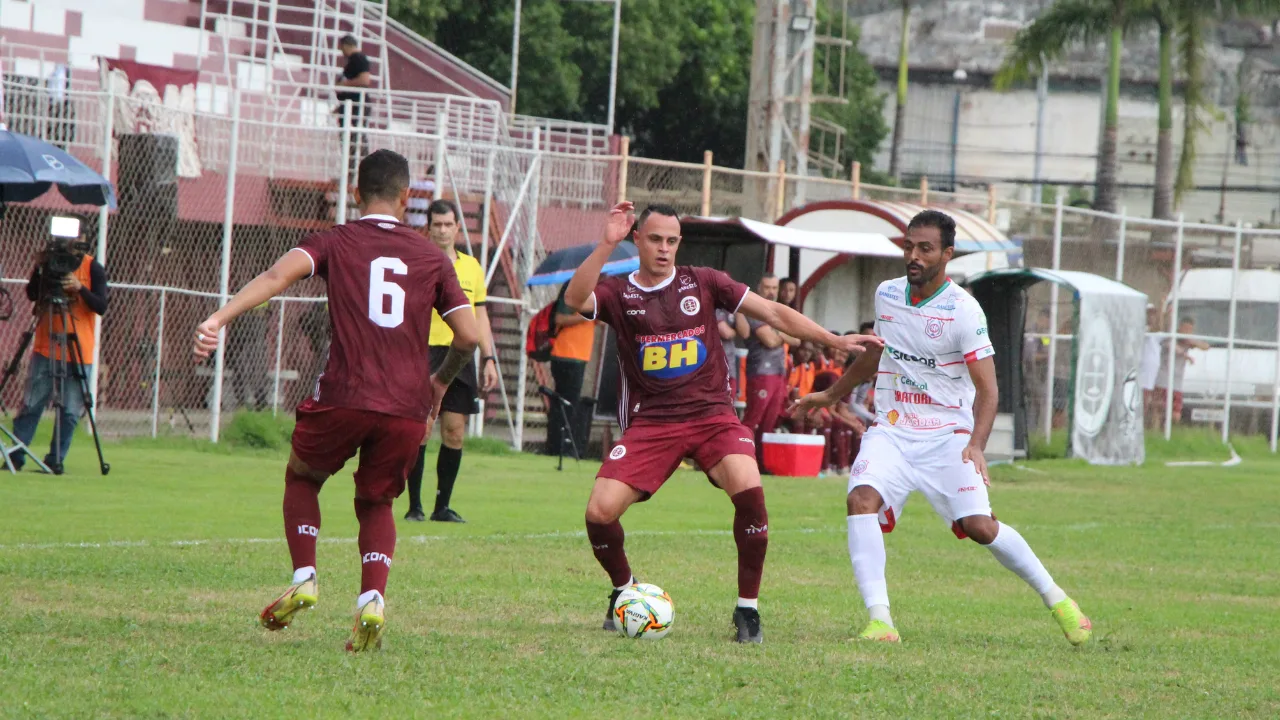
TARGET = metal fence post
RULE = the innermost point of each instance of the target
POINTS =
(1124, 230)
(275, 390)
(224, 274)
(1231, 332)
(344, 184)
(485, 209)
(1275, 392)
(1173, 331)
(155, 381)
(441, 149)
(1053, 318)
(622, 169)
(522, 376)
(707, 160)
(103, 214)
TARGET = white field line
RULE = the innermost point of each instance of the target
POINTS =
(419, 539)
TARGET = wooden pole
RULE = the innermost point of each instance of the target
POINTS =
(622, 169)
(706, 183)
(780, 198)
(857, 180)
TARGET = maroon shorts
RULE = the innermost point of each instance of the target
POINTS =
(766, 399)
(326, 437)
(648, 452)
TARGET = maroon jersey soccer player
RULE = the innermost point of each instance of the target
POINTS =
(376, 395)
(674, 400)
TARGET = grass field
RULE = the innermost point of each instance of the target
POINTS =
(136, 595)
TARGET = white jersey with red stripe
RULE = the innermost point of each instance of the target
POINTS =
(923, 388)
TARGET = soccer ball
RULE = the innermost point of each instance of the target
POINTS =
(644, 611)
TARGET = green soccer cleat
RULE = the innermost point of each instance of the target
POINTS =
(1074, 624)
(370, 622)
(299, 596)
(879, 631)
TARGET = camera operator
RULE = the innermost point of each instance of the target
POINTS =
(85, 293)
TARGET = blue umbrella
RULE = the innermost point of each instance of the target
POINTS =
(558, 267)
(30, 166)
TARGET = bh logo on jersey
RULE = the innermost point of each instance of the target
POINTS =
(672, 358)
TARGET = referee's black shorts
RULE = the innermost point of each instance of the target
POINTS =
(463, 396)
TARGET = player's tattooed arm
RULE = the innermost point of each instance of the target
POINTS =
(583, 283)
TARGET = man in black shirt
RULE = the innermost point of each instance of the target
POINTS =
(355, 74)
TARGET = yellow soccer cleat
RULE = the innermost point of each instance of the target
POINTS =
(879, 631)
(370, 622)
(299, 596)
(1074, 624)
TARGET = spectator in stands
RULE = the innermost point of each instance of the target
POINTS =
(766, 368)
(1182, 356)
(355, 74)
(571, 348)
(788, 293)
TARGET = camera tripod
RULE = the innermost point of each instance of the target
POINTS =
(562, 404)
(66, 358)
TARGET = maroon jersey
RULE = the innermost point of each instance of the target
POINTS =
(673, 364)
(384, 279)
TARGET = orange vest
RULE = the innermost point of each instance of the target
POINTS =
(801, 378)
(574, 342)
(82, 321)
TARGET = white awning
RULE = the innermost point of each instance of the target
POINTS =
(848, 243)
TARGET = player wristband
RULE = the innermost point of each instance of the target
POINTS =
(489, 358)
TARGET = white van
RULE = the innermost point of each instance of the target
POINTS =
(1205, 296)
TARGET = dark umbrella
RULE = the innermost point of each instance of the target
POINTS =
(29, 166)
(559, 266)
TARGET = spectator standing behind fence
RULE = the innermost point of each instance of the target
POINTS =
(1182, 356)
(86, 292)
(247, 357)
(788, 293)
(570, 352)
(1150, 365)
(355, 74)
(766, 368)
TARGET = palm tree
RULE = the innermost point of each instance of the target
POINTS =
(1062, 25)
(900, 112)
(1162, 203)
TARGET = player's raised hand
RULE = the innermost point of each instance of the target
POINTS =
(858, 343)
(973, 454)
(206, 338)
(621, 219)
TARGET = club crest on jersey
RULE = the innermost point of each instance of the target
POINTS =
(933, 328)
(667, 359)
(690, 305)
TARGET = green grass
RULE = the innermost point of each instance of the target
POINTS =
(156, 617)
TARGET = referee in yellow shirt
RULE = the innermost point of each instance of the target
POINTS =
(462, 398)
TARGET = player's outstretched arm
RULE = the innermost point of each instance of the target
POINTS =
(578, 294)
(289, 269)
(788, 321)
(863, 369)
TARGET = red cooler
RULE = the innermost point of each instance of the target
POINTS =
(792, 454)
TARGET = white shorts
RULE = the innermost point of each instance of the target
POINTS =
(895, 467)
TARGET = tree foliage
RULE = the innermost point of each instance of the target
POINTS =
(684, 67)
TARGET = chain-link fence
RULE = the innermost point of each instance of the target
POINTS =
(222, 195)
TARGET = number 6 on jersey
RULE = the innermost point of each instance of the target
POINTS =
(380, 287)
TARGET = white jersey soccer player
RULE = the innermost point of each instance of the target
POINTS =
(935, 398)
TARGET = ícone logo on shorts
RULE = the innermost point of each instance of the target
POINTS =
(933, 328)
(859, 468)
(618, 452)
(690, 305)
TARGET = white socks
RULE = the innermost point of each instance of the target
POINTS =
(303, 573)
(368, 595)
(753, 603)
(866, 550)
(1015, 554)
(630, 582)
